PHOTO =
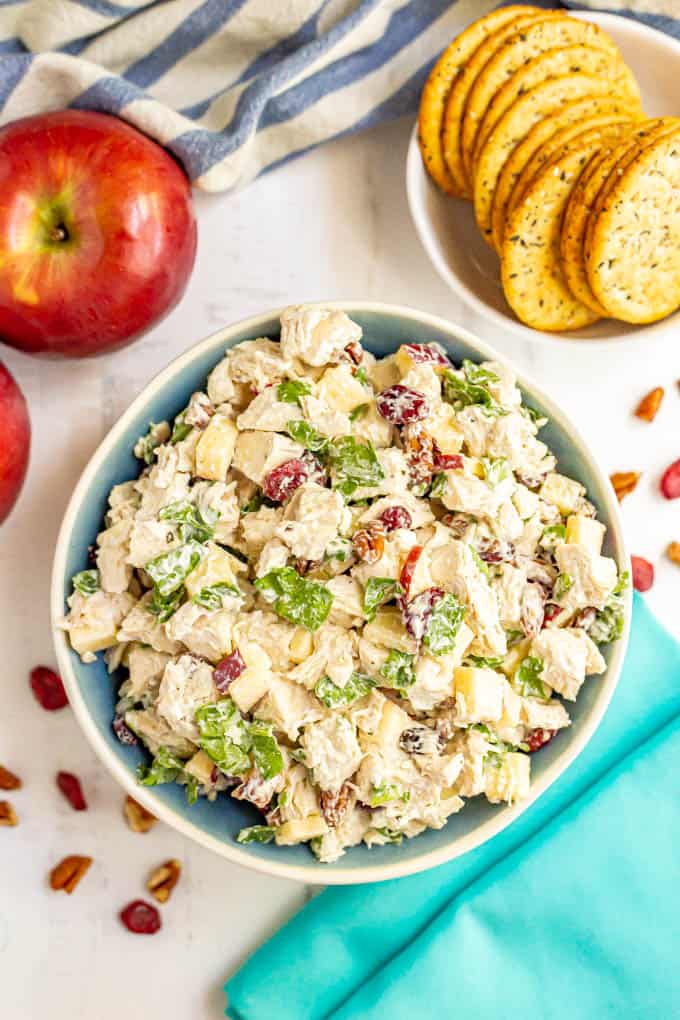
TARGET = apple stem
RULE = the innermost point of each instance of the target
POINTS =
(59, 233)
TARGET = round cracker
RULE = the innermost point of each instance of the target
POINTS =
(633, 263)
(530, 266)
(551, 64)
(536, 38)
(527, 111)
(582, 201)
(457, 97)
(569, 115)
(438, 85)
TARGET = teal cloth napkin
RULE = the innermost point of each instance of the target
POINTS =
(573, 911)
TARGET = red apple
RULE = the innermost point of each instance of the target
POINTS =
(15, 441)
(97, 233)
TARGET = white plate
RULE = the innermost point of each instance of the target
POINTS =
(447, 228)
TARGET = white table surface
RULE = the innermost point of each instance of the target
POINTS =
(332, 225)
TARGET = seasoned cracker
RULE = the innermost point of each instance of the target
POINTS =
(530, 266)
(524, 45)
(457, 97)
(633, 262)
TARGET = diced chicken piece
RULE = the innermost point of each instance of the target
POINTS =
(316, 335)
(259, 527)
(479, 695)
(150, 538)
(371, 427)
(220, 383)
(472, 495)
(217, 567)
(164, 484)
(219, 498)
(348, 601)
(257, 363)
(508, 780)
(274, 554)
(454, 568)
(350, 831)
(141, 625)
(114, 572)
(396, 476)
(544, 715)
(474, 747)
(186, 685)
(384, 372)
(258, 453)
(325, 419)
(513, 437)
(341, 390)
(146, 668)
(215, 448)
(156, 733)
(593, 577)
(203, 633)
(266, 413)
(509, 727)
(269, 632)
(372, 657)
(568, 656)
(434, 681)
(423, 378)
(475, 427)
(441, 424)
(504, 390)
(564, 493)
(332, 751)
(289, 706)
(333, 656)
(301, 800)
(508, 587)
(527, 503)
(93, 621)
(313, 516)
(199, 410)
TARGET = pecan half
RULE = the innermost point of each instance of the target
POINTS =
(369, 542)
(419, 448)
(673, 552)
(137, 817)
(259, 791)
(624, 483)
(8, 781)
(163, 880)
(649, 405)
(8, 815)
(334, 804)
(69, 872)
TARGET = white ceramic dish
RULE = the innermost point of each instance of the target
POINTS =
(448, 230)
(91, 691)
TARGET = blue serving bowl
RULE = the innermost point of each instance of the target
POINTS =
(92, 692)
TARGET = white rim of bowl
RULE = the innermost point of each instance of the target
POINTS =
(415, 170)
(328, 874)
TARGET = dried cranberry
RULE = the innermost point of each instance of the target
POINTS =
(48, 688)
(71, 788)
(354, 352)
(643, 573)
(401, 405)
(123, 731)
(92, 556)
(418, 611)
(396, 517)
(423, 353)
(495, 550)
(141, 918)
(550, 612)
(315, 469)
(670, 481)
(447, 461)
(228, 670)
(407, 571)
(538, 739)
(281, 483)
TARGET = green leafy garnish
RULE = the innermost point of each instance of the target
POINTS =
(303, 602)
(305, 434)
(166, 606)
(265, 748)
(481, 565)
(193, 525)
(496, 470)
(532, 414)
(553, 534)
(339, 549)
(165, 768)
(608, 623)
(622, 584)
(512, 636)
(86, 582)
(358, 412)
(528, 677)
(291, 391)
(212, 596)
(256, 501)
(146, 446)
(470, 389)
(191, 789)
(169, 570)
(180, 428)
(333, 696)
(391, 835)
(353, 464)
(384, 793)
(477, 374)
(398, 669)
(379, 590)
(438, 486)
(444, 623)
(484, 661)
(563, 582)
(224, 736)
(256, 834)
(362, 377)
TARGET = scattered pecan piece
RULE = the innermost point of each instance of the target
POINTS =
(649, 405)
(334, 804)
(673, 552)
(164, 879)
(8, 781)
(624, 483)
(8, 815)
(69, 872)
(137, 817)
(369, 542)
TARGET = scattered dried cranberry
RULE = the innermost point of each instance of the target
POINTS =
(315, 469)
(396, 517)
(447, 461)
(538, 739)
(48, 688)
(407, 571)
(354, 352)
(401, 405)
(281, 483)
(72, 790)
(423, 353)
(550, 612)
(123, 732)
(228, 670)
(670, 481)
(141, 918)
(643, 573)
(418, 611)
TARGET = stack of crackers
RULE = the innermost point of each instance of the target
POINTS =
(535, 117)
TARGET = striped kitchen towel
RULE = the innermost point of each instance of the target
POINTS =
(237, 87)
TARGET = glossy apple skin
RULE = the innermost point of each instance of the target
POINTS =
(15, 441)
(97, 233)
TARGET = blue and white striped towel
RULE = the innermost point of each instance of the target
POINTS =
(237, 87)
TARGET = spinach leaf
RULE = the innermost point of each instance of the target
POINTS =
(384, 793)
(193, 525)
(608, 623)
(481, 565)
(86, 582)
(266, 751)
(146, 446)
(191, 789)
(483, 661)
(362, 377)
(477, 374)
(391, 835)
(379, 590)
(470, 389)
(165, 768)
(358, 412)
(496, 470)
(563, 582)
(165, 606)
(305, 434)
(256, 501)
(353, 464)
(333, 696)
(180, 428)
(291, 391)
(443, 625)
(398, 669)
(256, 834)
(339, 549)
(224, 736)
(438, 486)
(303, 602)
(212, 597)
(169, 570)
(528, 676)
